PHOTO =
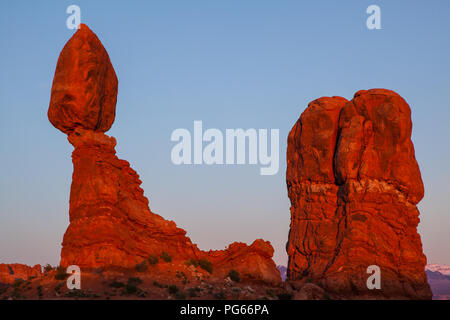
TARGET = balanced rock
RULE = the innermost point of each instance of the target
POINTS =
(84, 90)
(354, 184)
(111, 224)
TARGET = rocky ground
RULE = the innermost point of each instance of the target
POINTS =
(164, 280)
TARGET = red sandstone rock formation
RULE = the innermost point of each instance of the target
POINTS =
(354, 184)
(11, 272)
(84, 90)
(110, 220)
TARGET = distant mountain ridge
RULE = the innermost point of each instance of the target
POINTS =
(445, 270)
(283, 272)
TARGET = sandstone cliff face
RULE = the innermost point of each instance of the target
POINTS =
(11, 272)
(354, 183)
(111, 224)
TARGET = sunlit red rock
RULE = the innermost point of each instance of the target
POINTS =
(253, 262)
(84, 90)
(354, 183)
(11, 272)
(111, 224)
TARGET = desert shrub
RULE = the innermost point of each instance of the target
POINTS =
(152, 260)
(205, 265)
(284, 296)
(61, 273)
(116, 284)
(48, 268)
(16, 294)
(132, 285)
(166, 257)
(181, 275)
(135, 281)
(192, 262)
(220, 295)
(192, 292)
(173, 289)
(180, 296)
(76, 293)
(18, 282)
(39, 291)
(159, 285)
(131, 288)
(3, 289)
(271, 293)
(58, 287)
(141, 267)
(234, 275)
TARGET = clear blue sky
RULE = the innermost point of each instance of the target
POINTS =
(231, 64)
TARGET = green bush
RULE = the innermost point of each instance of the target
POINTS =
(159, 285)
(132, 285)
(141, 267)
(48, 268)
(3, 289)
(116, 284)
(134, 280)
(18, 282)
(131, 288)
(76, 293)
(205, 265)
(192, 292)
(220, 295)
(166, 257)
(39, 291)
(284, 296)
(234, 275)
(58, 287)
(152, 260)
(173, 289)
(180, 296)
(271, 293)
(61, 273)
(16, 294)
(192, 262)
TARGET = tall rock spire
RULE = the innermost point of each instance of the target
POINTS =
(111, 224)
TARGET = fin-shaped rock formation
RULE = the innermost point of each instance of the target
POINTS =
(354, 184)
